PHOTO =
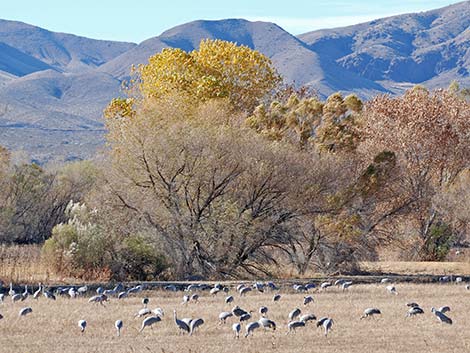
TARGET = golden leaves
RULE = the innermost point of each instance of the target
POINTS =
(218, 69)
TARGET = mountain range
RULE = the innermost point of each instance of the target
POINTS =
(54, 86)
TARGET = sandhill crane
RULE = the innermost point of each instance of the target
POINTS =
(294, 313)
(445, 279)
(412, 304)
(49, 295)
(185, 299)
(182, 326)
(119, 287)
(149, 322)
(158, 312)
(82, 290)
(308, 299)
(251, 327)
(346, 285)
(307, 317)
(245, 317)
(192, 287)
(414, 310)
(272, 286)
(194, 298)
(25, 294)
(16, 297)
(237, 311)
(309, 286)
(99, 290)
(118, 325)
(263, 310)
(441, 316)
(72, 293)
(267, 323)
(11, 292)
(444, 309)
(143, 312)
(214, 291)
(276, 297)
(327, 323)
(170, 287)
(109, 292)
(236, 328)
(385, 280)
(229, 299)
(244, 290)
(145, 301)
(123, 295)
(98, 299)
(392, 290)
(25, 311)
(61, 291)
(293, 325)
(325, 285)
(137, 289)
(82, 325)
(259, 287)
(339, 282)
(223, 316)
(299, 288)
(370, 312)
(195, 324)
(37, 293)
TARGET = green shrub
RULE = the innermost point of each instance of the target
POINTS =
(140, 259)
(84, 248)
(439, 243)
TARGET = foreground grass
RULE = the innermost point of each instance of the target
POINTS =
(52, 327)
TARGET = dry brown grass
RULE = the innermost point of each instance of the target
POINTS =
(411, 268)
(24, 264)
(52, 327)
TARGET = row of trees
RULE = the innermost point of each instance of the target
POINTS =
(213, 168)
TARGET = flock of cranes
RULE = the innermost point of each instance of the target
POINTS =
(192, 294)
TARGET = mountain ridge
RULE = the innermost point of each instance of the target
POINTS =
(54, 85)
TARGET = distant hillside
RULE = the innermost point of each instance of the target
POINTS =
(294, 60)
(64, 52)
(54, 86)
(430, 48)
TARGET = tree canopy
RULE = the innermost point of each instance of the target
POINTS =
(217, 69)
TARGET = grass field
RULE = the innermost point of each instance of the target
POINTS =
(52, 327)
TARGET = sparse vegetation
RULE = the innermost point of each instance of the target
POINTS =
(53, 327)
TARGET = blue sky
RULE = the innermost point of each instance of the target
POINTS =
(137, 20)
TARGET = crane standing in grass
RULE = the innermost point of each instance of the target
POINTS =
(149, 322)
(118, 325)
(237, 328)
(182, 326)
(441, 316)
(370, 312)
(82, 325)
